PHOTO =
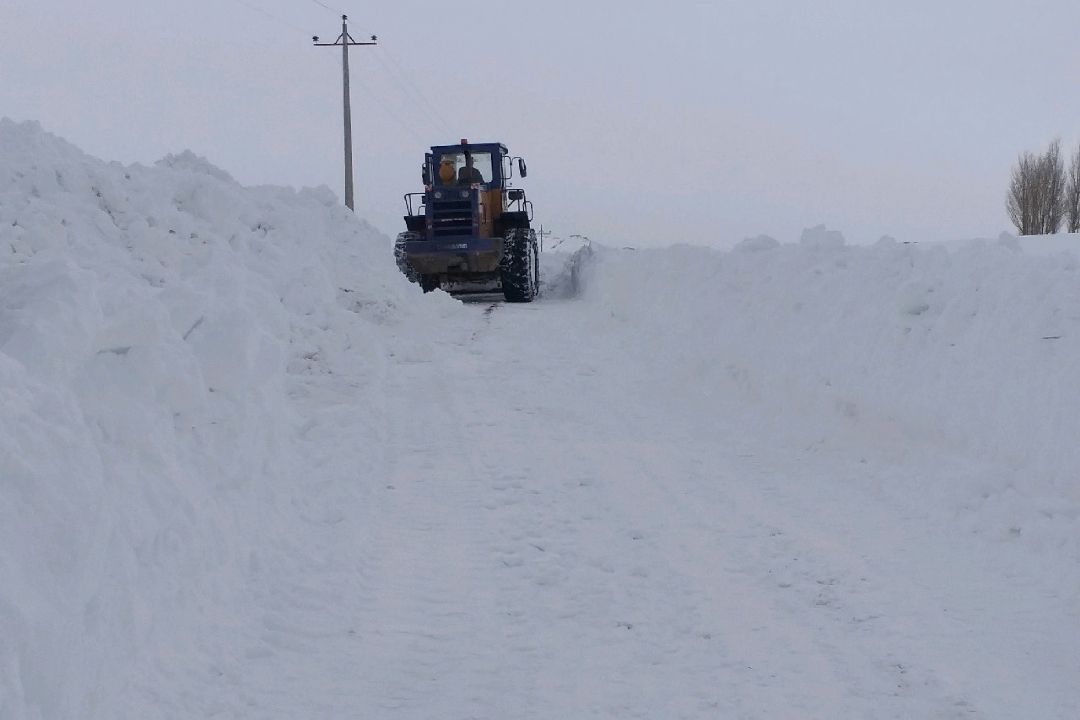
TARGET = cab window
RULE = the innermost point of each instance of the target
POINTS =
(451, 169)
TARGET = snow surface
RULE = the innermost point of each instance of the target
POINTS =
(248, 471)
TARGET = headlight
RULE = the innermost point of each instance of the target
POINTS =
(438, 195)
(464, 194)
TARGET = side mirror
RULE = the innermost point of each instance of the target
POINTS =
(521, 167)
(425, 175)
(515, 195)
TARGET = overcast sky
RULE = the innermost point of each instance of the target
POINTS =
(643, 123)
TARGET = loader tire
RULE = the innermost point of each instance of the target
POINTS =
(401, 256)
(520, 268)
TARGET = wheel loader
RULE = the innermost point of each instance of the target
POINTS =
(469, 231)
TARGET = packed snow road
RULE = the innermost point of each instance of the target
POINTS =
(554, 530)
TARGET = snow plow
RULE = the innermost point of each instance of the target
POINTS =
(469, 231)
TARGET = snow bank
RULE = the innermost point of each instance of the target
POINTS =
(969, 352)
(1048, 245)
(157, 325)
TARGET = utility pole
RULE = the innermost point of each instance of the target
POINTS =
(345, 40)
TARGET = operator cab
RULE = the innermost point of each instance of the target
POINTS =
(468, 164)
(467, 193)
(454, 169)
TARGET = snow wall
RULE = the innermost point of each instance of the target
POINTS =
(158, 326)
(968, 351)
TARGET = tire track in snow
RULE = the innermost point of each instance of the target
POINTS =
(719, 542)
(552, 539)
(436, 612)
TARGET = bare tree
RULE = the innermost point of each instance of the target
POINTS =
(1052, 180)
(1036, 199)
(1022, 201)
(1072, 195)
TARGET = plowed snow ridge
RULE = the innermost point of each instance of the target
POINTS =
(247, 471)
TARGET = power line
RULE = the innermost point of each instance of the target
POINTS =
(320, 3)
(401, 122)
(269, 14)
(379, 101)
(339, 12)
(368, 91)
(394, 68)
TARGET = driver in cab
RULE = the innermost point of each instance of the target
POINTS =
(466, 175)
